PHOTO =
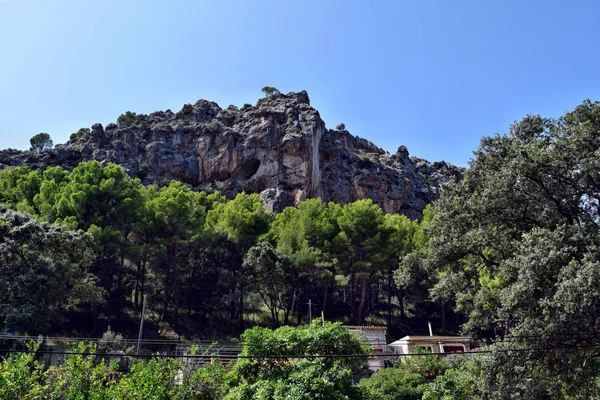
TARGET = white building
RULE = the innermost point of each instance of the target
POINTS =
(435, 344)
(376, 337)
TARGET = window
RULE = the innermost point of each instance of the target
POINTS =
(453, 348)
(423, 348)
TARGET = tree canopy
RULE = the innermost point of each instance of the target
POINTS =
(514, 245)
(40, 142)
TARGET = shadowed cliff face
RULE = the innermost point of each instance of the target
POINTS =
(280, 149)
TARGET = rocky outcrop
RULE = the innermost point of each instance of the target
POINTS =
(280, 149)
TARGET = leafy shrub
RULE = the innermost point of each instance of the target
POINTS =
(79, 133)
(126, 119)
(460, 383)
(298, 377)
(428, 366)
(20, 375)
(341, 126)
(246, 106)
(392, 384)
(214, 126)
(364, 162)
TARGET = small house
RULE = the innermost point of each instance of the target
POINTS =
(434, 344)
(376, 337)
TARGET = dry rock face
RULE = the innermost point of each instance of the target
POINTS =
(280, 149)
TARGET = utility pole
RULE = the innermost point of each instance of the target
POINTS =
(141, 325)
(309, 311)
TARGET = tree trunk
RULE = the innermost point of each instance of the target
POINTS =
(389, 299)
(401, 303)
(443, 318)
(352, 311)
(241, 310)
(363, 295)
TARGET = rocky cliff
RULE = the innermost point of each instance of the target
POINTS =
(279, 148)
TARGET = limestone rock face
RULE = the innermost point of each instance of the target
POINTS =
(280, 149)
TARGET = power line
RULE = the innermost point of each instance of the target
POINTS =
(300, 356)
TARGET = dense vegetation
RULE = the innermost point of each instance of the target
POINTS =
(208, 266)
(510, 253)
(321, 361)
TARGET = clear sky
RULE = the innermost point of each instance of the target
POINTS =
(432, 75)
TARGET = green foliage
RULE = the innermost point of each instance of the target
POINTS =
(186, 251)
(392, 384)
(428, 366)
(81, 132)
(19, 376)
(246, 106)
(340, 127)
(364, 162)
(43, 269)
(214, 126)
(40, 142)
(126, 119)
(78, 377)
(87, 377)
(242, 219)
(269, 91)
(459, 383)
(270, 273)
(516, 243)
(291, 373)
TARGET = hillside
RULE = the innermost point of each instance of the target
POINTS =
(279, 148)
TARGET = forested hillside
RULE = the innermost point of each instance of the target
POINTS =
(208, 266)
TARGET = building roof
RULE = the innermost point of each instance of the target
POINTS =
(365, 327)
(406, 339)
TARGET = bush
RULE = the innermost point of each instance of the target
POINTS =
(246, 106)
(214, 126)
(428, 366)
(126, 119)
(392, 384)
(459, 383)
(85, 376)
(341, 126)
(79, 133)
(364, 162)
(298, 377)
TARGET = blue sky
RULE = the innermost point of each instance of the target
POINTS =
(434, 76)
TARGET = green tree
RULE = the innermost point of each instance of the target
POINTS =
(290, 372)
(40, 142)
(269, 91)
(18, 188)
(126, 119)
(172, 216)
(79, 133)
(304, 235)
(242, 220)
(272, 275)
(515, 243)
(363, 237)
(340, 126)
(44, 272)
